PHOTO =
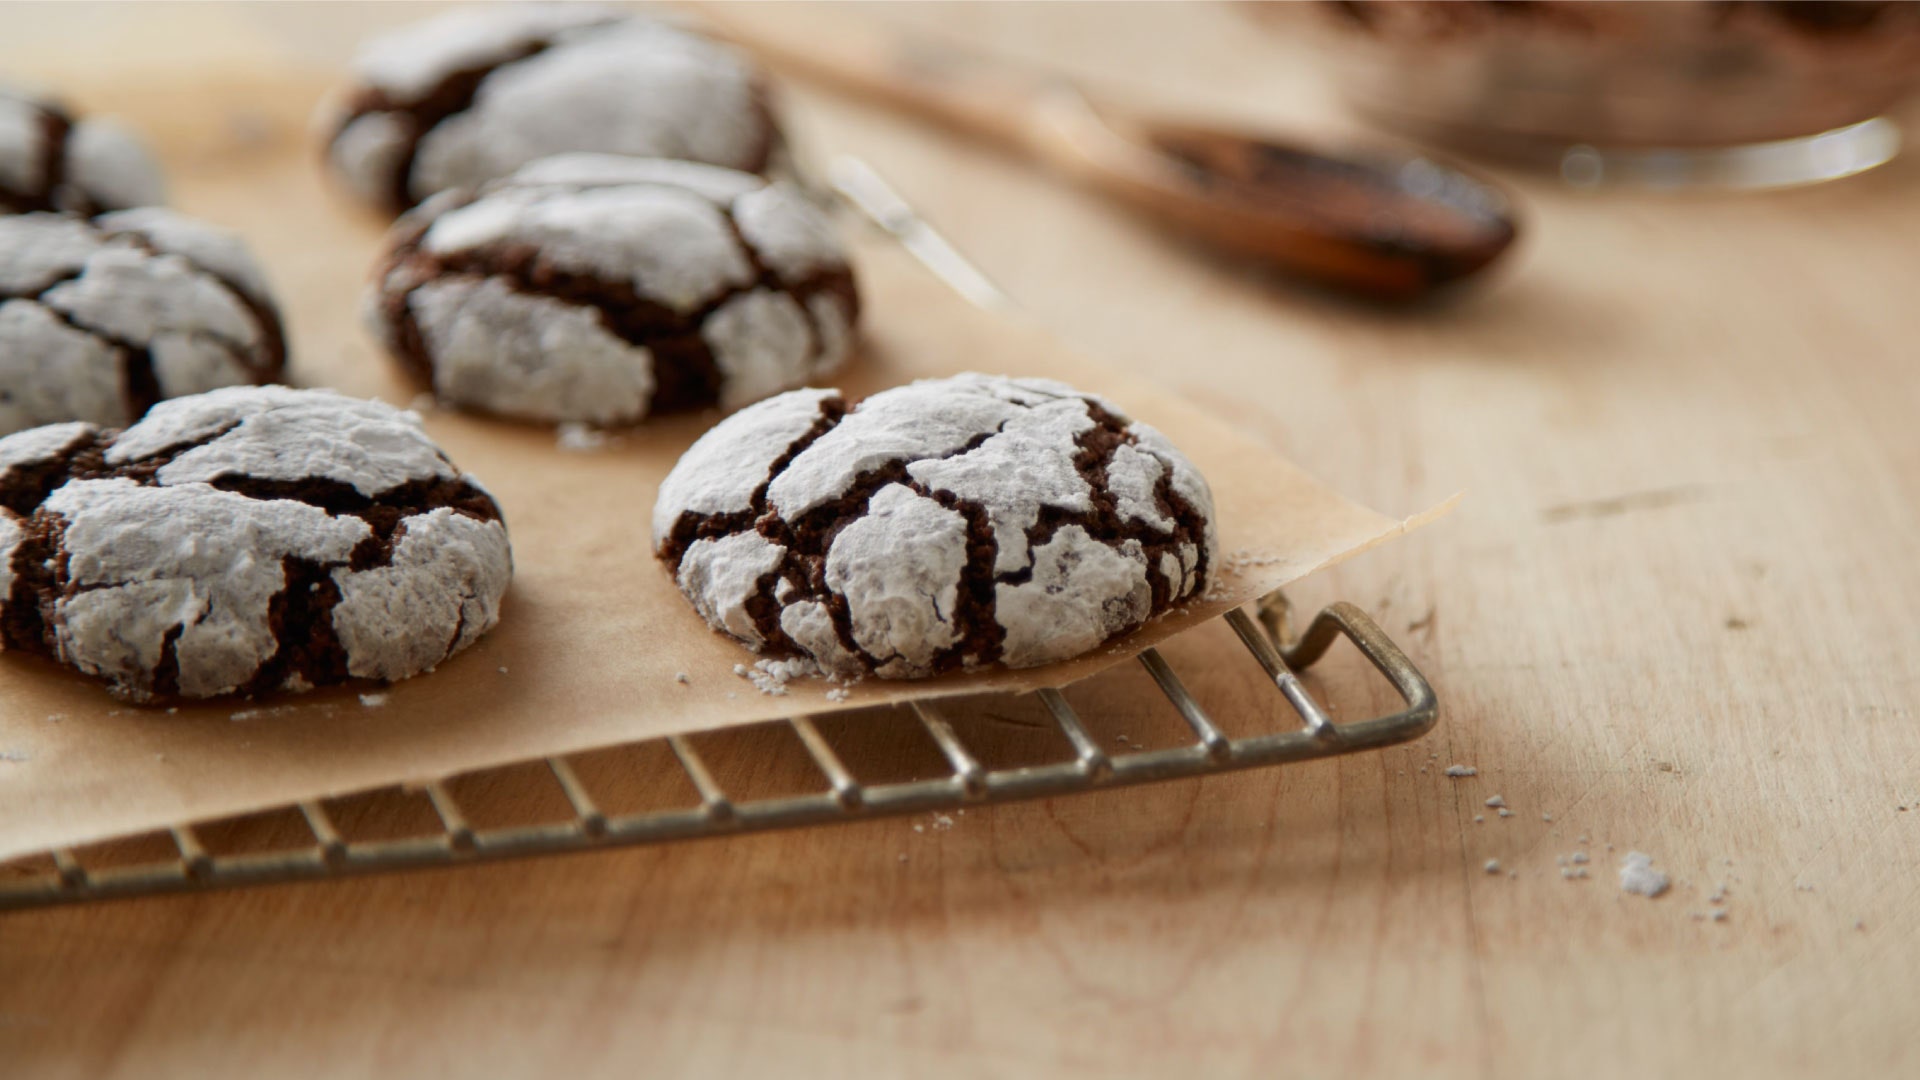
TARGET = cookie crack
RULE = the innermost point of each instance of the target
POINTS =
(306, 601)
(23, 623)
(27, 485)
(808, 540)
(1103, 521)
(385, 514)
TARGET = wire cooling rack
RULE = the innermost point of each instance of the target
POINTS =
(320, 849)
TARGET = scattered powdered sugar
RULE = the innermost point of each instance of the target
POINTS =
(1579, 858)
(14, 756)
(838, 693)
(941, 823)
(1491, 866)
(772, 676)
(1496, 801)
(1573, 873)
(1458, 771)
(1504, 812)
(373, 701)
(1638, 876)
(575, 437)
(682, 677)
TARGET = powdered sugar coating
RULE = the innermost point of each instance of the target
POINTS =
(475, 94)
(277, 433)
(52, 160)
(899, 569)
(941, 525)
(599, 289)
(101, 318)
(514, 355)
(244, 541)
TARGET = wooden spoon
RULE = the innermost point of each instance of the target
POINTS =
(1392, 226)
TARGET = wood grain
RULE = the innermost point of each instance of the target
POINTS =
(1676, 614)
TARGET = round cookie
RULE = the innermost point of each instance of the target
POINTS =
(243, 541)
(602, 289)
(52, 160)
(471, 96)
(102, 317)
(943, 525)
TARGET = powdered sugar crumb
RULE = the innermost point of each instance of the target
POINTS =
(14, 756)
(839, 693)
(373, 701)
(1458, 771)
(1492, 866)
(1638, 876)
(772, 676)
(682, 677)
(941, 823)
(574, 437)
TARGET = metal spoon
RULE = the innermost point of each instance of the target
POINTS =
(1390, 226)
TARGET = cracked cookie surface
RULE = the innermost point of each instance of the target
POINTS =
(472, 95)
(51, 159)
(244, 541)
(100, 318)
(944, 525)
(603, 289)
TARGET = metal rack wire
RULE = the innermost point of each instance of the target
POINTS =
(842, 798)
(326, 853)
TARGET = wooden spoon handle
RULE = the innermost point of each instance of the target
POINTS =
(953, 88)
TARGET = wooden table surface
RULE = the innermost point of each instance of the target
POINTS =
(1676, 614)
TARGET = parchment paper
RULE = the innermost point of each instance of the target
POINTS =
(593, 631)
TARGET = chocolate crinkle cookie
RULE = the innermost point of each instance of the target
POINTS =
(475, 94)
(602, 290)
(940, 526)
(52, 160)
(242, 541)
(101, 317)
